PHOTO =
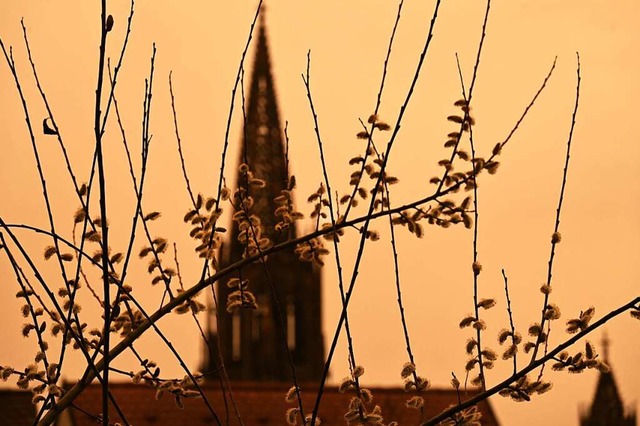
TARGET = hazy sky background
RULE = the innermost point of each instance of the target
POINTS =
(597, 262)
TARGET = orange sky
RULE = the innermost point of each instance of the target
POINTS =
(597, 261)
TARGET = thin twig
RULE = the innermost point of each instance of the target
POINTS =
(332, 215)
(372, 128)
(103, 211)
(118, 66)
(179, 143)
(555, 239)
(511, 324)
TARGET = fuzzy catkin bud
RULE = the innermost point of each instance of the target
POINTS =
(291, 395)
(358, 371)
(292, 416)
(415, 402)
(407, 369)
(455, 383)
(487, 303)
(345, 384)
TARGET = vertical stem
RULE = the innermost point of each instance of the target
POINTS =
(103, 212)
(510, 313)
(554, 241)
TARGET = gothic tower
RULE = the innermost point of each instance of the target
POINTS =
(607, 408)
(252, 342)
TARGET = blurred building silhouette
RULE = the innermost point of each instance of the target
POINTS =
(16, 408)
(607, 408)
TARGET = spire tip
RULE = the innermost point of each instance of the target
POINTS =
(605, 346)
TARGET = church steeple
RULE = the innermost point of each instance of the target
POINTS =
(607, 408)
(252, 341)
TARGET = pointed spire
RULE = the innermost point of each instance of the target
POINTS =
(263, 12)
(254, 343)
(605, 347)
